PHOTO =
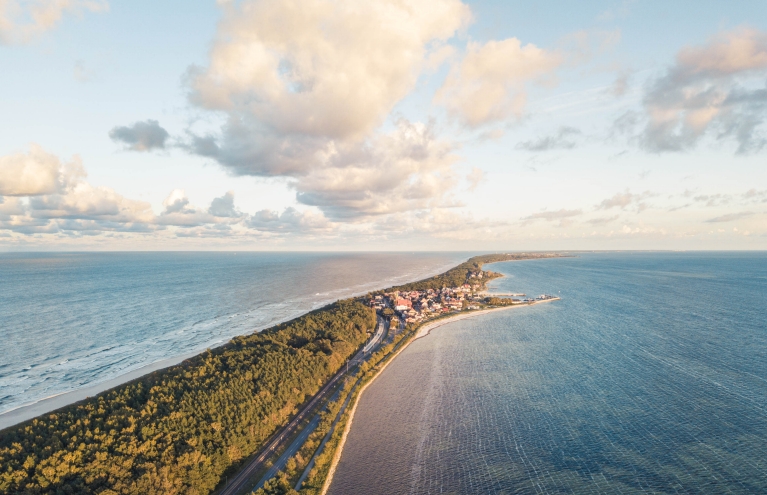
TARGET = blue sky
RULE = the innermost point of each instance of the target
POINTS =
(337, 125)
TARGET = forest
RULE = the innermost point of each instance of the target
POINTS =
(460, 274)
(181, 429)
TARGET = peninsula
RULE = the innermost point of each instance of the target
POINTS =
(192, 427)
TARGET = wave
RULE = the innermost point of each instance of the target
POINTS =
(83, 338)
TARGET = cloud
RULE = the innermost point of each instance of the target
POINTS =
(83, 201)
(625, 199)
(11, 207)
(560, 140)
(626, 124)
(755, 196)
(141, 136)
(730, 217)
(178, 211)
(352, 62)
(309, 107)
(563, 216)
(602, 220)
(619, 11)
(489, 83)
(290, 220)
(475, 177)
(710, 89)
(727, 54)
(713, 199)
(680, 207)
(407, 169)
(439, 222)
(42, 195)
(76, 206)
(176, 202)
(224, 206)
(620, 86)
(21, 21)
(36, 172)
(47, 197)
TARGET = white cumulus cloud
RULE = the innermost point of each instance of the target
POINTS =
(304, 98)
(36, 172)
(489, 83)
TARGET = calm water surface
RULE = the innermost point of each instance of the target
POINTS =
(70, 320)
(649, 376)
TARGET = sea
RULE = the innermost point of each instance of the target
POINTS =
(69, 321)
(648, 376)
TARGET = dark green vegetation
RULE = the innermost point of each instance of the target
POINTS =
(499, 301)
(180, 430)
(461, 274)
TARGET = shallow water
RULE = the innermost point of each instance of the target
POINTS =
(649, 376)
(71, 320)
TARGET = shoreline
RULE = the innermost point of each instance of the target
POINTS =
(49, 404)
(424, 331)
(52, 403)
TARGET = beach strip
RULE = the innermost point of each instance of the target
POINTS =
(54, 402)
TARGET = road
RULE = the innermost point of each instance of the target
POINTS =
(294, 447)
(390, 337)
(281, 437)
(325, 440)
(376, 338)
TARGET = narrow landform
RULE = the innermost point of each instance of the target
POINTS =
(191, 427)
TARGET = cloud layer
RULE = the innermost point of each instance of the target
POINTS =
(51, 196)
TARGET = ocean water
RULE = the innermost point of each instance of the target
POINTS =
(649, 376)
(72, 320)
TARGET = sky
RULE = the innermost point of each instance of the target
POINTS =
(383, 125)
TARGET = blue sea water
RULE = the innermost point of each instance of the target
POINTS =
(72, 320)
(649, 376)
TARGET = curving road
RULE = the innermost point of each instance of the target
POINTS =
(279, 440)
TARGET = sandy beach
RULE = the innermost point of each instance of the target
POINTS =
(50, 404)
(428, 327)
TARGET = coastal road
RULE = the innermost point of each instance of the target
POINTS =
(294, 447)
(242, 479)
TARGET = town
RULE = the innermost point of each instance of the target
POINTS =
(415, 306)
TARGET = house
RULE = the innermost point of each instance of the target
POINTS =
(403, 304)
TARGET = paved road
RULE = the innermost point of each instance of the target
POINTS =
(294, 447)
(325, 440)
(390, 336)
(279, 439)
